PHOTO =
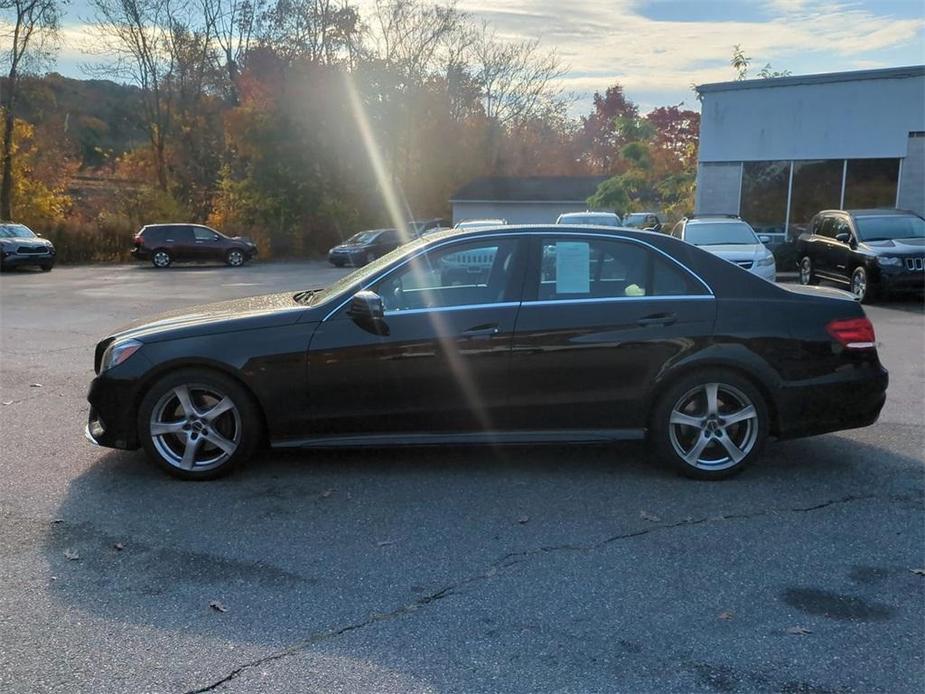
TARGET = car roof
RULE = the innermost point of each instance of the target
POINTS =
(549, 228)
(876, 212)
(589, 213)
(715, 220)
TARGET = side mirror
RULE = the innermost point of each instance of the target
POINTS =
(765, 239)
(367, 311)
(844, 237)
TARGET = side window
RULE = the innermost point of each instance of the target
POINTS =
(828, 227)
(840, 226)
(588, 269)
(203, 234)
(181, 234)
(458, 275)
(669, 280)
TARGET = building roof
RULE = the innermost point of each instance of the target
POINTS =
(528, 189)
(823, 78)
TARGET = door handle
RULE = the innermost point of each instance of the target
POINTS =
(482, 332)
(657, 319)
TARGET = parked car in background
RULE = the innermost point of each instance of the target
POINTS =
(21, 247)
(164, 244)
(604, 219)
(730, 238)
(418, 227)
(628, 335)
(643, 220)
(364, 247)
(472, 224)
(871, 252)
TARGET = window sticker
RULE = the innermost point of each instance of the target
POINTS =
(573, 267)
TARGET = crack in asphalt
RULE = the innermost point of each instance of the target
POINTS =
(514, 558)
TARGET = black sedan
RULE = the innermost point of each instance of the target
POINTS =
(364, 247)
(21, 247)
(627, 335)
(872, 252)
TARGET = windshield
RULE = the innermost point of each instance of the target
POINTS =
(720, 234)
(605, 220)
(360, 276)
(363, 237)
(15, 231)
(634, 219)
(890, 227)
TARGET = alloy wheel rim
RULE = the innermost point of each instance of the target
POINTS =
(161, 259)
(713, 426)
(859, 283)
(195, 427)
(235, 258)
(805, 271)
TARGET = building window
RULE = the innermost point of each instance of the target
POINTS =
(764, 195)
(871, 183)
(816, 186)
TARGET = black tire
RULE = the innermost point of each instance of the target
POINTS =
(235, 257)
(370, 257)
(46, 268)
(670, 440)
(807, 271)
(337, 263)
(161, 258)
(243, 425)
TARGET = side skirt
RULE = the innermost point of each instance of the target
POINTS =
(502, 438)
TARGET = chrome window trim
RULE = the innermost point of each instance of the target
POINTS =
(460, 307)
(518, 234)
(609, 299)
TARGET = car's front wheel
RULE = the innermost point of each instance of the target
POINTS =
(710, 425)
(807, 272)
(235, 258)
(860, 285)
(198, 424)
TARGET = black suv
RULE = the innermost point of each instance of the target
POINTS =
(873, 252)
(19, 246)
(364, 247)
(162, 244)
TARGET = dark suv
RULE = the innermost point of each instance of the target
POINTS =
(873, 252)
(162, 244)
(20, 246)
(364, 247)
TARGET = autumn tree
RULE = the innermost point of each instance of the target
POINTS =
(33, 34)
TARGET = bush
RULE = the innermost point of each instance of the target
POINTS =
(109, 239)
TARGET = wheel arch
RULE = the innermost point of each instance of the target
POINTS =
(755, 371)
(226, 370)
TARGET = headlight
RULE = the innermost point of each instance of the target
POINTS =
(890, 262)
(118, 352)
(766, 261)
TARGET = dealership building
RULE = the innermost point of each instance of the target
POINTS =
(777, 151)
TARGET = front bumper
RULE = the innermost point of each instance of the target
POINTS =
(111, 421)
(25, 259)
(902, 281)
(768, 272)
(347, 257)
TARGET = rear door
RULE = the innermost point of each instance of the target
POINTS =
(205, 244)
(180, 242)
(601, 317)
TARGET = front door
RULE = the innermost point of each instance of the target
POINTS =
(600, 319)
(443, 366)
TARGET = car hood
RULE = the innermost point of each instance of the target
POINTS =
(29, 241)
(897, 246)
(270, 310)
(735, 252)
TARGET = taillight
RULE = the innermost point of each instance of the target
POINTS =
(137, 239)
(853, 333)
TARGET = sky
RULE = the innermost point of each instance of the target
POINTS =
(657, 48)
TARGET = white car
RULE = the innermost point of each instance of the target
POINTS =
(604, 219)
(730, 238)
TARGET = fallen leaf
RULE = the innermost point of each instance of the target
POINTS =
(55, 521)
(35, 385)
(523, 519)
(726, 616)
(7, 402)
(918, 572)
(349, 497)
(326, 493)
(71, 554)
(385, 543)
(217, 606)
(799, 631)
(649, 517)
(118, 546)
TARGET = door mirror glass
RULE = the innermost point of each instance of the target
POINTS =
(843, 236)
(765, 239)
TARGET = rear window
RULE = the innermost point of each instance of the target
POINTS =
(599, 220)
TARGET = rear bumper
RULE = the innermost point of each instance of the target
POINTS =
(843, 401)
(140, 253)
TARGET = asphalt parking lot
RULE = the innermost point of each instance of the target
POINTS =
(580, 569)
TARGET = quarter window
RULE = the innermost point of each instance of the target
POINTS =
(457, 275)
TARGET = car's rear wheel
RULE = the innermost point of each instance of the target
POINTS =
(235, 258)
(710, 425)
(807, 271)
(198, 424)
(161, 258)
